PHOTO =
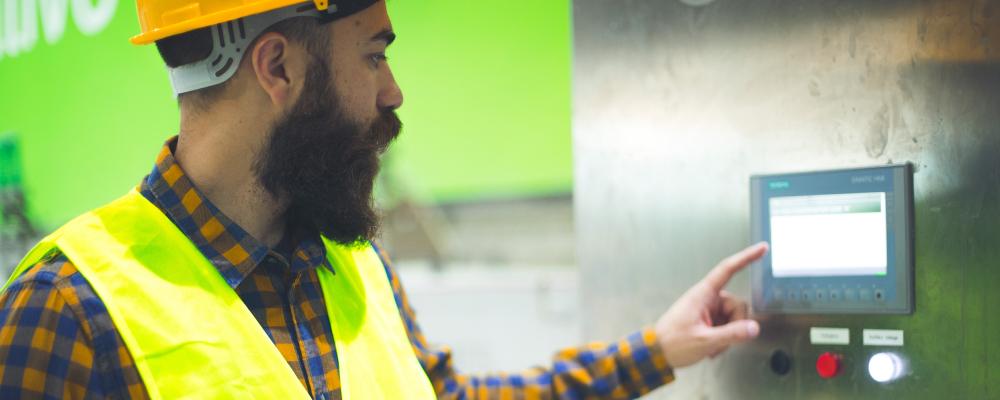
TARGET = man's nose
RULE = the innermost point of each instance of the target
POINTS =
(390, 96)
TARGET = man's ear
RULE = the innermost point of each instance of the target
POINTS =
(276, 68)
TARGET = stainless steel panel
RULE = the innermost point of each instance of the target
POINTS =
(675, 106)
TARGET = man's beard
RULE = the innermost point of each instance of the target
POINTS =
(323, 164)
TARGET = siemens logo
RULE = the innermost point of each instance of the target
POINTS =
(19, 21)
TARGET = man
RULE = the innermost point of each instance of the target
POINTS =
(242, 267)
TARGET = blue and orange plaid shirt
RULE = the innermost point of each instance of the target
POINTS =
(58, 342)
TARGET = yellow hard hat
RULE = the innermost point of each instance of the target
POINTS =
(243, 20)
(160, 19)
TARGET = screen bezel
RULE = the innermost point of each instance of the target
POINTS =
(896, 285)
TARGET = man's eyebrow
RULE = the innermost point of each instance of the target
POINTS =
(385, 35)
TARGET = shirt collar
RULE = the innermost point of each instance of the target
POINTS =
(226, 245)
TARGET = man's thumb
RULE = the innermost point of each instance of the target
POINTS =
(736, 332)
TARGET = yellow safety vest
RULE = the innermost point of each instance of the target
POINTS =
(192, 337)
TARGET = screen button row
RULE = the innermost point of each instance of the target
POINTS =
(831, 295)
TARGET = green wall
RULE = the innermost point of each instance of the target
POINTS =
(486, 115)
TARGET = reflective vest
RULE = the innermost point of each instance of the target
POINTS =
(192, 337)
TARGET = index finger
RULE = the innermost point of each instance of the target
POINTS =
(720, 275)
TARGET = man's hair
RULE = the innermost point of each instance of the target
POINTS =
(196, 45)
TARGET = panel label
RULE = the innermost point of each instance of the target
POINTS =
(883, 337)
(840, 336)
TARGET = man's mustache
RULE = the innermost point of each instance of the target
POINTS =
(384, 130)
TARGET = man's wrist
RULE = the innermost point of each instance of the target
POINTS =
(658, 363)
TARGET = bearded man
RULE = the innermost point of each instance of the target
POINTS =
(243, 265)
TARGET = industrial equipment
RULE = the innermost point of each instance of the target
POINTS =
(677, 107)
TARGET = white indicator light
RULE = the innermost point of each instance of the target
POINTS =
(884, 367)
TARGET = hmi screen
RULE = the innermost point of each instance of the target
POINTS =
(827, 235)
(841, 241)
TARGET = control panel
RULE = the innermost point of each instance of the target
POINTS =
(880, 365)
(841, 242)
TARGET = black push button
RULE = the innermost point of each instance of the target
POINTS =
(781, 363)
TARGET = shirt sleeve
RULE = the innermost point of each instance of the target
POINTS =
(627, 368)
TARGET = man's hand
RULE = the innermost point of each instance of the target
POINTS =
(706, 319)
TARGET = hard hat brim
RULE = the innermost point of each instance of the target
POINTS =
(203, 21)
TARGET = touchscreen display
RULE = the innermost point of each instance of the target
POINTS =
(841, 241)
(829, 235)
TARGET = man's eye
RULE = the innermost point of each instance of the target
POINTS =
(377, 58)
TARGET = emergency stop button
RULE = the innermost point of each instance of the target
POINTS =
(828, 365)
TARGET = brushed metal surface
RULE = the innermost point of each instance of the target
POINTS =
(675, 106)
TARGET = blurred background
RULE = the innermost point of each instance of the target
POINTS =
(568, 168)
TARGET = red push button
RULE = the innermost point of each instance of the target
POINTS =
(828, 365)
